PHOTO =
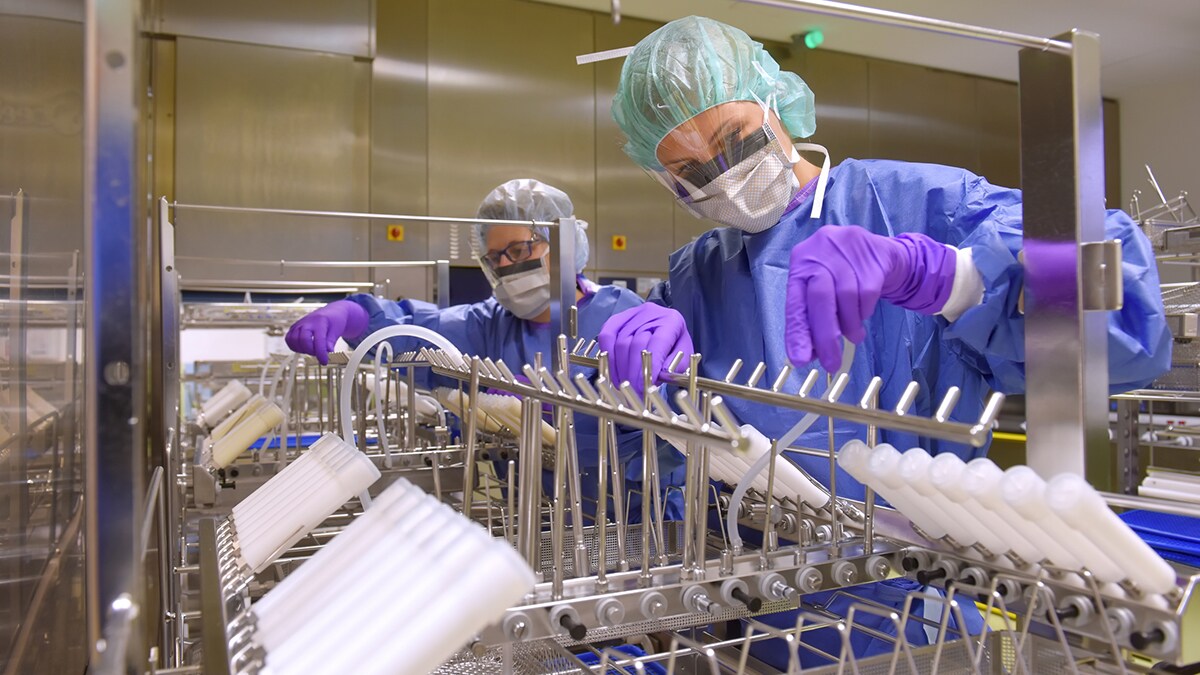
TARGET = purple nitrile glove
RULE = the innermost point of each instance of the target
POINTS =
(318, 332)
(650, 327)
(838, 275)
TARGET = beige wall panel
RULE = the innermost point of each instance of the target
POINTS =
(840, 85)
(1112, 156)
(506, 100)
(277, 128)
(922, 115)
(628, 202)
(999, 127)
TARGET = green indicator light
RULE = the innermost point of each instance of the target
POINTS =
(813, 39)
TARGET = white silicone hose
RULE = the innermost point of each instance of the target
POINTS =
(1025, 492)
(914, 470)
(947, 473)
(786, 441)
(1079, 506)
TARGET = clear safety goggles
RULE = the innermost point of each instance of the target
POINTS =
(723, 140)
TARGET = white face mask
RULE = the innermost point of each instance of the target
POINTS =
(523, 288)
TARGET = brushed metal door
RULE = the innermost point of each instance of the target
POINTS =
(275, 128)
(506, 100)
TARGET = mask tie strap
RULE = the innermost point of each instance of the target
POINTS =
(822, 180)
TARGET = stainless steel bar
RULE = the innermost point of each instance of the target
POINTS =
(410, 417)
(620, 522)
(870, 400)
(115, 374)
(265, 285)
(529, 461)
(602, 442)
(581, 564)
(835, 523)
(690, 487)
(900, 20)
(562, 287)
(353, 214)
(558, 531)
(1062, 155)
(149, 509)
(1152, 504)
(974, 435)
(510, 521)
(614, 406)
(339, 264)
(469, 462)
(1127, 440)
(443, 283)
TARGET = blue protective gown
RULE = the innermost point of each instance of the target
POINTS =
(731, 286)
(487, 329)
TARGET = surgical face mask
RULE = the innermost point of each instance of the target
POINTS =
(523, 288)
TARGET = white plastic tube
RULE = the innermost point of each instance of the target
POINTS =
(288, 484)
(1079, 506)
(1025, 492)
(328, 480)
(786, 441)
(357, 592)
(266, 493)
(354, 612)
(230, 398)
(287, 606)
(250, 427)
(260, 549)
(946, 472)
(883, 470)
(915, 465)
(506, 573)
(371, 564)
(983, 479)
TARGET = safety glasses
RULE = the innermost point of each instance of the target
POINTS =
(722, 141)
(518, 251)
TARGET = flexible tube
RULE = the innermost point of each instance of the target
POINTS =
(795, 432)
(379, 392)
(356, 359)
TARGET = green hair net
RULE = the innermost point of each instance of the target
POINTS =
(691, 65)
(530, 199)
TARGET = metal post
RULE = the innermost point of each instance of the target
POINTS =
(529, 499)
(168, 443)
(469, 448)
(14, 393)
(1062, 176)
(443, 284)
(562, 286)
(115, 374)
(1128, 433)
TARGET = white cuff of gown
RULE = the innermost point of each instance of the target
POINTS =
(967, 290)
